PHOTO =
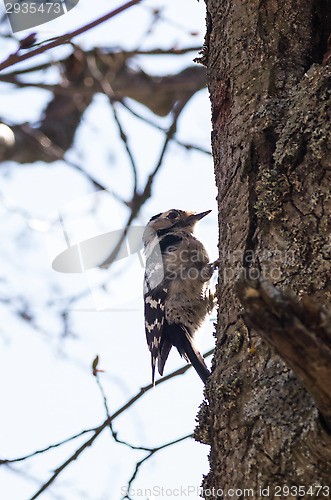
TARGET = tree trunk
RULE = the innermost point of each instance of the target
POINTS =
(268, 76)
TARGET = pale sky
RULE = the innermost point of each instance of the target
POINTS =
(48, 392)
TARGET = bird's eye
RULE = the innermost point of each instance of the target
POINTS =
(173, 215)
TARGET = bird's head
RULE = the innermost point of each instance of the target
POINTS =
(172, 219)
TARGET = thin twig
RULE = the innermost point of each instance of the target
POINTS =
(98, 430)
(128, 150)
(158, 52)
(94, 182)
(140, 198)
(131, 53)
(63, 39)
(84, 91)
(44, 450)
(169, 135)
(152, 452)
(113, 433)
(54, 152)
(107, 89)
(162, 129)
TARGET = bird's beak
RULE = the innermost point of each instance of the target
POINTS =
(196, 217)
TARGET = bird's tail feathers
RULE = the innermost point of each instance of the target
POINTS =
(191, 353)
(163, 355)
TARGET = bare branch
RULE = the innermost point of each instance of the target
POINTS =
(105, 72)
(158, 52)
(152, 452)
(124, 138)
(140, 198)
(106, 87)
(44, 450)
(299, 330)
(155, 125)
(169, 135)
(63, 39)
(98, 430)
(113, 433)
(9, 77)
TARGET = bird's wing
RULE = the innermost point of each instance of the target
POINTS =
(155, 293)
(154, 322)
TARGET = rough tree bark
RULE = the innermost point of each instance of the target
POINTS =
(268, 74)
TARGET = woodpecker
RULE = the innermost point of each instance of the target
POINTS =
(176, 288)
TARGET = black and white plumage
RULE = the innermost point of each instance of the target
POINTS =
(176, 288)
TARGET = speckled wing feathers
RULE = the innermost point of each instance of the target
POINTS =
(155, 297)
(154, 323)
